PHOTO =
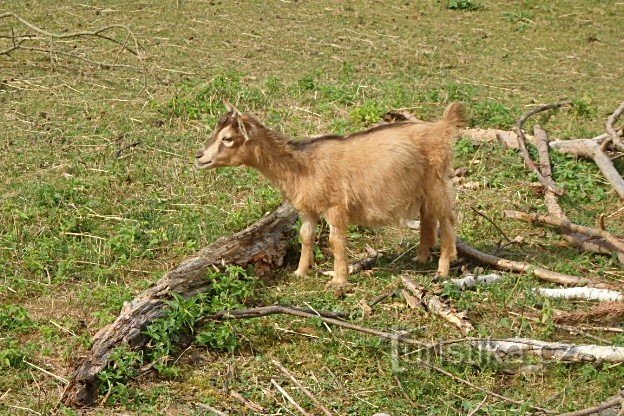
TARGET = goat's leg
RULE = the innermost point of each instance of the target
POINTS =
(448, 250)
(307, 234)
(428, 224)
(338, 224)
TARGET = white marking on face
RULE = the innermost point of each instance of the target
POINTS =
(225, 136)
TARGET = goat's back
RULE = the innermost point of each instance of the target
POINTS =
(382, 175)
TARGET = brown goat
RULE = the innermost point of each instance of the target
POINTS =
(384, 175)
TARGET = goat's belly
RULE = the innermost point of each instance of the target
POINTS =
(383, 215)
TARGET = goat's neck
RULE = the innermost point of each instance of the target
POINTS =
(284, 166)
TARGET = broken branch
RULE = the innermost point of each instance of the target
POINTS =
(518, 266)
(613, 136)
(583, 293)
(435, 305)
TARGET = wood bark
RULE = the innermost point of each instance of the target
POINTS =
(553, 350)
(583, 293)
(262, 245)
(471, 281)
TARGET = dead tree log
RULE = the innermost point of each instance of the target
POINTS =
(262, 245)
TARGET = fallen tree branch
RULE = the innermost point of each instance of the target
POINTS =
(435, 305)
(590, 149)
(547, 182)
(616, 400)
(604, 312)
(517, 266)
(471, 281)
(575, 238)
(613, 136)
(261, 245)
(615, 242)
(582, 293)
(552, 350)
(322, 316)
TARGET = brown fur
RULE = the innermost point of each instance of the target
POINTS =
(384, 175)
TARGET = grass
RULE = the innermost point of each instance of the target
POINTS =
(100, 198)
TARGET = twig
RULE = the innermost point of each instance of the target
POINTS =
(547, 182)
(613, 136)
(211, 409)
(612, 402)
(488, 219)
(290, 399)
(254, 407)
(517, 266)
(59, 378)
(481, 389)
(23, 408)
(603, 312)
(277, 309)
(302, 387)
(435, 305)
(564, 223)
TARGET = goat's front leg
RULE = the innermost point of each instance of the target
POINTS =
(338, 225)
(307, 234)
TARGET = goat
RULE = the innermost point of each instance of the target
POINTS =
(384, 175)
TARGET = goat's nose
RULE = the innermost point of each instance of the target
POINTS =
(199, 154)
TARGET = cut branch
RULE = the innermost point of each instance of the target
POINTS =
(616, 400)
(616, 243)
(584, 293)
(471, 281)
(553, 350)
(517, 266)
(435, 305)
(604, 312)
(261, 245)
(577, 239)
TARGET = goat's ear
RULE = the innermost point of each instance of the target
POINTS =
(231, 108)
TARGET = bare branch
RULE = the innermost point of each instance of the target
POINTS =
(613, 136)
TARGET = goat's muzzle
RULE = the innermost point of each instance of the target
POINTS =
(199, 154)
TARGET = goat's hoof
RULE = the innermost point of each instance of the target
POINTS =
(300, 273)
(440, 275)
(337, 284)
(422, 258)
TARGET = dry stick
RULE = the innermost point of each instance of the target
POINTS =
(211, 409)
(254, 407)
(612, 402)
(552, 203)
(277, 309)
(613, 136)
(603, 312)
(96, 33)
(547, 182)
(481, 389)
(590, 149)
(518, 266)
(435, 305)
(290, 399)
(564, 223)
(302, 387)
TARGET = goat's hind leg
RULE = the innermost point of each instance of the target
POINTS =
(428, 225)
(307, 234)
(338, 224)
(448, 249)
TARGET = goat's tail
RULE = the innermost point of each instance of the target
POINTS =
(455, 118)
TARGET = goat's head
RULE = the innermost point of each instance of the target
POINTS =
(228, 145)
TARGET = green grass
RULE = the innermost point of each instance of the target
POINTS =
(99, 197)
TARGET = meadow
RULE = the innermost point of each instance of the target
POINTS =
(100, 196)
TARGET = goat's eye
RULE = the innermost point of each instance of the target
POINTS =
(227, 139)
